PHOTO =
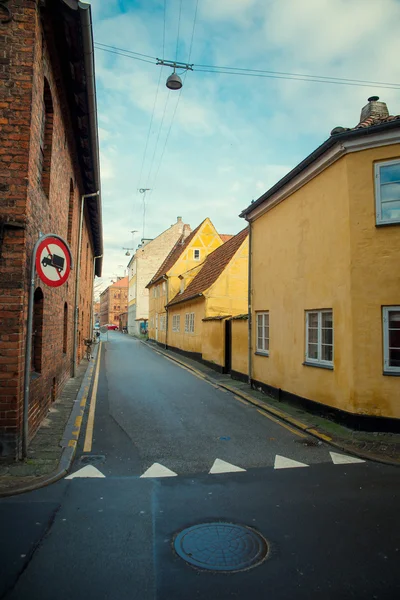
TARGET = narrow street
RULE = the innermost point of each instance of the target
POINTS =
(161, 437)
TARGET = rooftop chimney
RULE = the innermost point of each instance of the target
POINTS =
(179, 220)
(374, 109)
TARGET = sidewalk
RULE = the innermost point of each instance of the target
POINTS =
(380, 447)
(52, 450)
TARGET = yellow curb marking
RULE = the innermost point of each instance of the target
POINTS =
(319, 435)
(282, 424)
(78, 421)
(72, 443)
(241, 401)
(87, 447)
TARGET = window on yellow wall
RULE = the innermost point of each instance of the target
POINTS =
(189, 323)
(391, 339)
(387, 192)
(319, 337)
(176, 323)
(262, 332)
(196, 254)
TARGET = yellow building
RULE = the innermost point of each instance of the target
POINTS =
(185, 258)
(325, 273)
(197, 316)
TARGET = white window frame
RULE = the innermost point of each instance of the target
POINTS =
(319, 360)
(189, 322)
(385, 321)
(378, 203)
(262, 345)
(176, 323)
(194, 254)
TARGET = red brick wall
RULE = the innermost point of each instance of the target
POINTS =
(112, 297)
(43, 206)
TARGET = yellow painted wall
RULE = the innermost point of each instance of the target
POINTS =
(375, 260)
(157, 307)
(228, 295)
(190, 342)
(240, 352)
(206, 240)
(320, 248)
(213, 345)
(301, 261)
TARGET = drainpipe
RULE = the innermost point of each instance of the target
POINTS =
(165, 277)
(91, 307)
(250, 338)
(77, 275)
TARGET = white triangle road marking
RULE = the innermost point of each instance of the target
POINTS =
(344, 459)
(221, 466)
(157, 470)
(281, 462)
(88, 471)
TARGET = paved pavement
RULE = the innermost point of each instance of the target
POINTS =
(332, 529)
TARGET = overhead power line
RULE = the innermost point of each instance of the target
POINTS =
(247, 72)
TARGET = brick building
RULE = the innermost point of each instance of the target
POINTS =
(114, 301)
(49, 162)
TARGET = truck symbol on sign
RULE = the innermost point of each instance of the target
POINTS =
(53, 260)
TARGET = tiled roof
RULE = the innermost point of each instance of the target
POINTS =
(374, 120)
(173, 256)
(213, 266)
(120, 283)
(225, 236)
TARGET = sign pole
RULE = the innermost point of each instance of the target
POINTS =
(28, 353)
(28, 341)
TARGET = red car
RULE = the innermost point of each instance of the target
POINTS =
(112, 326)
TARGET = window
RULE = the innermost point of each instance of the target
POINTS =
(46, 139)
(263, 332)
(391, 339)
(196, 254)
(319, 337)
(189, 323)
(387, 192)
(37, 332)
(65, 330)
(162, 323)
(176, 322)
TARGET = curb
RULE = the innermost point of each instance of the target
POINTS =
(69, 439)
(309, 429)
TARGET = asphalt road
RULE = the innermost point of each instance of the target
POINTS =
(332, 529)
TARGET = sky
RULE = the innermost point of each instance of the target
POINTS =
(223, 140)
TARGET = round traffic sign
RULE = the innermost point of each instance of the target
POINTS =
(53, 261)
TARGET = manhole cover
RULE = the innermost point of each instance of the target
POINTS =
(91, 459)
(221, 546)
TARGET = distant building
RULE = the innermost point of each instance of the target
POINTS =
(96, 312)
(180, 266)
(141, 268)
(113, 302)
(49, 160)
(199, 316)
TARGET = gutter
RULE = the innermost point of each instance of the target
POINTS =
(88, 48)
(186, 299)
(249, 299)
(165, 278)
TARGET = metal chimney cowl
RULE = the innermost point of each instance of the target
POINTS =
(374, 109)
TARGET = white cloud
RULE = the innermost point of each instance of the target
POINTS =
(232, 137)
